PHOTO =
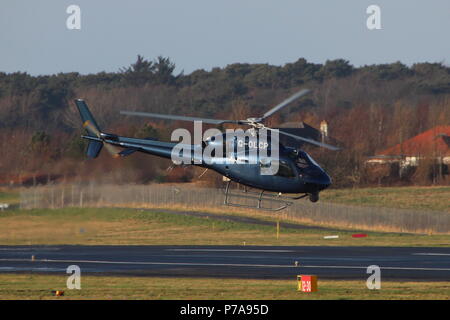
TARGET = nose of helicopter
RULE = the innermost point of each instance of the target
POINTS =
(317, 180)
(323, 181)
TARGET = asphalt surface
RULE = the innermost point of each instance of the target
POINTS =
(396, 263)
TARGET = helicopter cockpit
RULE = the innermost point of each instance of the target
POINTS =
(304, 160)
(301, 162)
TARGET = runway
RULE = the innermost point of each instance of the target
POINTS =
(259, 262)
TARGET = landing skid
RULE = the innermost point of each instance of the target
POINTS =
(279, 202)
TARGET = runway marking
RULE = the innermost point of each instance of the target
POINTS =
(220, 264)
(29, 249)
(230, 250)
(431, 254)
(381, 267)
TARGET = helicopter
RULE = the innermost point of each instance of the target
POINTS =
(296, 173)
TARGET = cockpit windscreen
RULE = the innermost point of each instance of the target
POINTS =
(304, 160)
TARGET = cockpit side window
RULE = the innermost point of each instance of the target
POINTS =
(284, 169)
(301, 163)
(302, 160)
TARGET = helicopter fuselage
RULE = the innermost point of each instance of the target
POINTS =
(291, 176)
(297, 172)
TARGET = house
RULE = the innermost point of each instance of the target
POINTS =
(432, 146)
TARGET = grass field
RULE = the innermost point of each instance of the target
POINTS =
(417, 198)
(423, 210)
(38, 286)
(91, 226)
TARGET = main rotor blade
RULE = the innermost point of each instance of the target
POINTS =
(285, 103)
(317, 143)
(174, 117)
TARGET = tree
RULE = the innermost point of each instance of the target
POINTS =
(163, 69)
(140, 66)
(140, 72)
(336, 69)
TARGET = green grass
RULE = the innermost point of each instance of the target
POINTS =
(93, 226)
(417, 198)
(38, 286)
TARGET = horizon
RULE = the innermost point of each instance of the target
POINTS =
(223, 67)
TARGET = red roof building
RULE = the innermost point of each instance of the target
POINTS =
(434, 143)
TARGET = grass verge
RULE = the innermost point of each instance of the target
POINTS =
(38, 286)
(112, 226)
(417, 198)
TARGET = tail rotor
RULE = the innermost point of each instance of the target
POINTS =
(93, 130)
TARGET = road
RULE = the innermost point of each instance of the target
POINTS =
(259, 262)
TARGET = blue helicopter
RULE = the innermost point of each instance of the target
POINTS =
(245, 160)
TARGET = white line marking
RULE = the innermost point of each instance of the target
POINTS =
(29, 249)
(431, 254)
(229, 250)
(220, 264)
(386, 268)
(150, 263)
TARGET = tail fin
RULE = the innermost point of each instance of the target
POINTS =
(89, 122)
(92, 129)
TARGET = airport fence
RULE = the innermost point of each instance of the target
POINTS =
(211, 199)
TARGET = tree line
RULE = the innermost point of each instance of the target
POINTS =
(368, 109)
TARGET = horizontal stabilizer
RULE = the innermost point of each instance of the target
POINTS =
(94, 148)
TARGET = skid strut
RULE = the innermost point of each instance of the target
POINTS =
(279, 202)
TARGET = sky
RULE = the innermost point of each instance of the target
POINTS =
(202, 34)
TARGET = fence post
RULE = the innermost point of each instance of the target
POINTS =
(62, 198)
(72, 203)
(35, 198)
(53, 198)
